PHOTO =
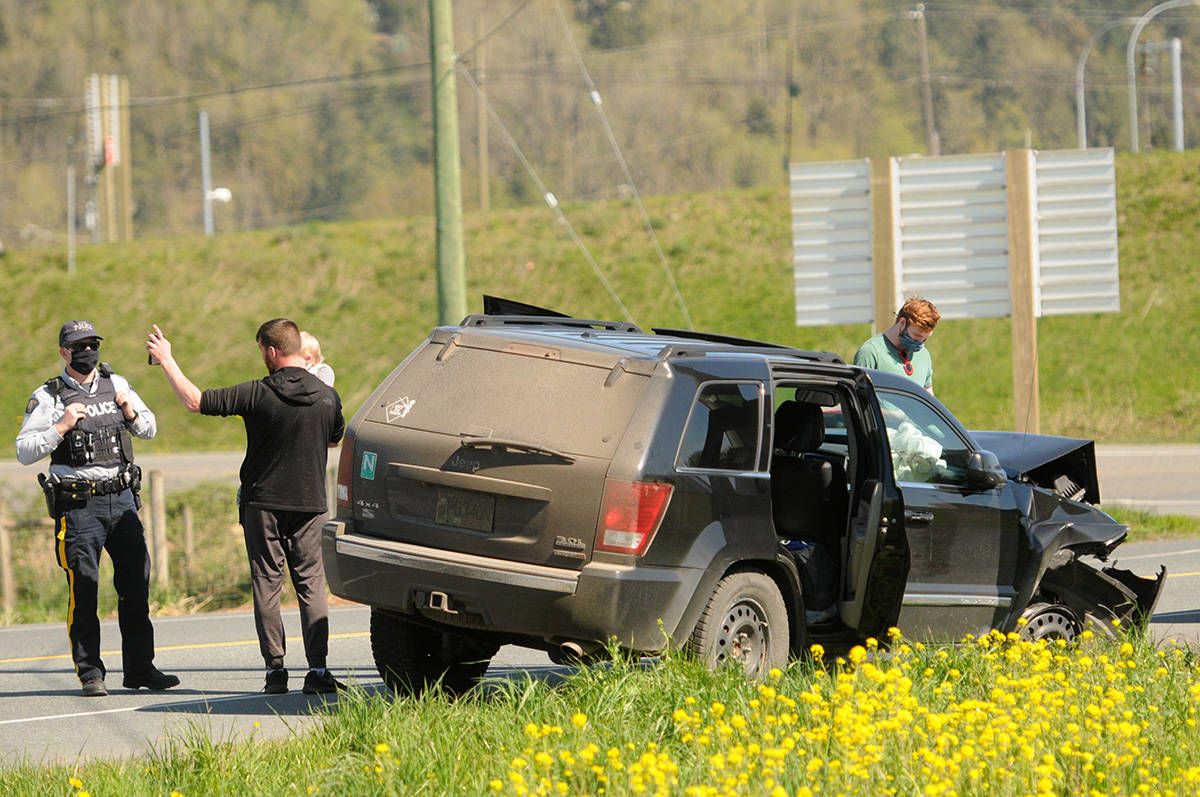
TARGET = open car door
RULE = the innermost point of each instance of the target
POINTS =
(875, 551)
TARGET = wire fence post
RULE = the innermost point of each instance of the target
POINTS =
(8, 587)
(189, 542)
(158, 511)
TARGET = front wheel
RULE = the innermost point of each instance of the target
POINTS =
(1049, 621)
(412, 658)
(745, 624)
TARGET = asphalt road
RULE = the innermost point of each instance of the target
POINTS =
(44, 718)
(1161, 478)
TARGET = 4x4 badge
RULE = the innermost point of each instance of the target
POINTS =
(368, 465)
(399, 408)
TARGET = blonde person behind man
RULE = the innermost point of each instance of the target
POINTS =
(900, 349)
(310, 350)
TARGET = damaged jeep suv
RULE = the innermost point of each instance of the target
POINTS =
(557, 482)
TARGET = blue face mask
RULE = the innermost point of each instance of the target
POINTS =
(909, 343)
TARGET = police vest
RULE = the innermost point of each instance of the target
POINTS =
(100, 436)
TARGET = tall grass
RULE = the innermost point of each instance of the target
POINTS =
(993, 715)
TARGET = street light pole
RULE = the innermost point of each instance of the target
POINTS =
(1177, 91)
(1080, 100)
(1130, 59)
(206, 174)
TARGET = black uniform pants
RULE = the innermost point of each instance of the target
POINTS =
(275, 536)
(83, 530)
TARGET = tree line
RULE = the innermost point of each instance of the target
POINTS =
(320, 109)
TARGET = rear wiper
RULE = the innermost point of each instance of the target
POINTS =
(516, 445)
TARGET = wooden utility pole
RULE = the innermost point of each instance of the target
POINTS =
(189, 543)
(789, 96)
(481, 109)
(447, 173)
(106, 99)
(8, 587)
(932, 141)
(108, 174)
(1022, 249)
(125, 166)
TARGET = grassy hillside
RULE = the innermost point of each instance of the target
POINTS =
(368, 291)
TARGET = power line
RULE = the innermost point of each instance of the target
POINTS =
(158, 102)
(495, 29)
(547, 195)
(594, 94)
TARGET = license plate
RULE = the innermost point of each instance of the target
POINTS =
(465, 510)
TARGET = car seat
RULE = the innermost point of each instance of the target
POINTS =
(808, 489)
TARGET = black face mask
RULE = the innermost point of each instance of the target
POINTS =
(84, 362)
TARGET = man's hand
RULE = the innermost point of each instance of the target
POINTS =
(159, 349)
(158, 346)
(126, 405)
(71, 416)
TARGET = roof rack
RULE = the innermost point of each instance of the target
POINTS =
(748, 344)
(698, 350)
(547, 321)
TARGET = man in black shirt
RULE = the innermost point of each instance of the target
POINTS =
(292, 419)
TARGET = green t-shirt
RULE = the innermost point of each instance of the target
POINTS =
(879, 353)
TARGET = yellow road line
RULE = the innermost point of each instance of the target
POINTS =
(197, 646)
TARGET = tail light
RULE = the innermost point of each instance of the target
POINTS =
(345, 474)
(630, 515)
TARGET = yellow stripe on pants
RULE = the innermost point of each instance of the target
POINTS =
(62, 562)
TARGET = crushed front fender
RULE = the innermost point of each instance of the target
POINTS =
(1106, 594)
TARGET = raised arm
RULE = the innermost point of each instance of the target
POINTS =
(160, 354)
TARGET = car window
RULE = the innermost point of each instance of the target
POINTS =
(925, 447)
(835, 438)
(723, 429)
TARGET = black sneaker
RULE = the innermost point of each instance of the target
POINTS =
(276, 682)
(322, 684)
(94, 687)
(152, 679)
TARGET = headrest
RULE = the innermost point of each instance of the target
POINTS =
(799, 427)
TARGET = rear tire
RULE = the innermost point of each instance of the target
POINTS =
(412, 658)
(745, 624)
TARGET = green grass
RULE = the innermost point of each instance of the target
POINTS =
(368, 291)
(989, 716)
(1145, 525)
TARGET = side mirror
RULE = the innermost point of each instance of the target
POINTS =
(984, 470)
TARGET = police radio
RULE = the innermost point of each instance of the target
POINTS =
(81, 447)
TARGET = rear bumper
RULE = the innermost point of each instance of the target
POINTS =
(522, 601)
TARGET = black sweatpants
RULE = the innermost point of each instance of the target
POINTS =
(82, 531)
(275, 536)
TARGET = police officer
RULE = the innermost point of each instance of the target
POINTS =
(83, 419)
